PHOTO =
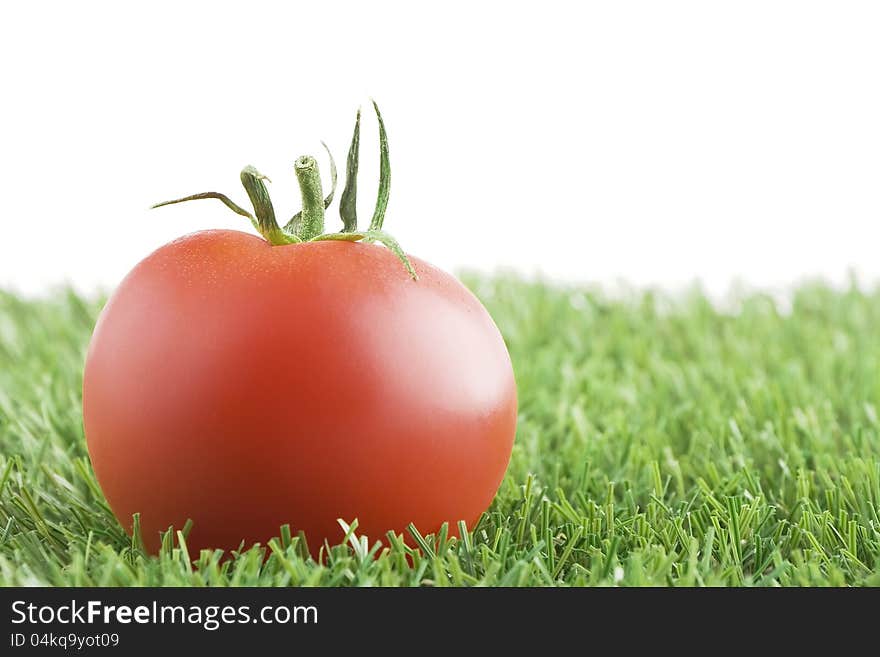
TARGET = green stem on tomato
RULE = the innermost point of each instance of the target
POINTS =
(372, 236)
(292, 227)
(220, 197)
(252, 180)
(308, 224)
(384, 175)
(312, 223)
(348, 200)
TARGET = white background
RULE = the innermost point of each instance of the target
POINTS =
(654, 142)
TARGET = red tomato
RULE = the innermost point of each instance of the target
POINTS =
(244, 386)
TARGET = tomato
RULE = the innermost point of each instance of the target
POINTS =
(245, 385)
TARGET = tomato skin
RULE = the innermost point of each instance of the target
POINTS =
(246, 386)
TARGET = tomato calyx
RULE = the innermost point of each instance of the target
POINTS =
(307, 225)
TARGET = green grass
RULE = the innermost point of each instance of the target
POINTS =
(660, 442)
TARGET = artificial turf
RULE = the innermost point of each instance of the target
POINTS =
(661, 441)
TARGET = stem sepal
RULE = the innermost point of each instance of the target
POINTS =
(307, 225)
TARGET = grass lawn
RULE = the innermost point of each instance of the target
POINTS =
(660, 442)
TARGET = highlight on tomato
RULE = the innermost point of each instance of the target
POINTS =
(299, 377)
